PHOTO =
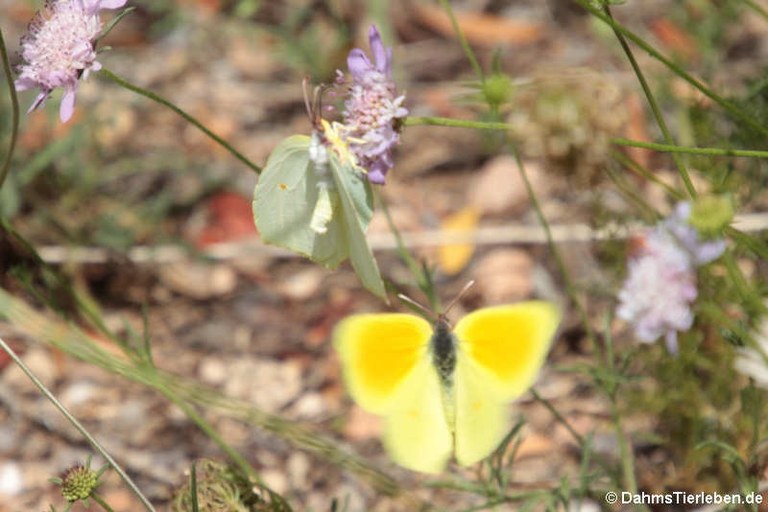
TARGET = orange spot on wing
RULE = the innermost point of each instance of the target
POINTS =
(283, 186)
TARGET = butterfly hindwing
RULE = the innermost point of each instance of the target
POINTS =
(357, 207)
(416, 433)
(481, 419)
(500, 352)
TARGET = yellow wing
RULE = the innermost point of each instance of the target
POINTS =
(500, 352)
(378, 352)
(416, 433)
(389, 371)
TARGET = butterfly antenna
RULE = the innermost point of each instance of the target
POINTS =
(314, 104)
(309, 104)
(416, 304)
(459, 296)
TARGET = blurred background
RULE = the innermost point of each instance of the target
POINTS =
(151, 221)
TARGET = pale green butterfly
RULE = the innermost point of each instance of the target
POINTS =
(312, 198)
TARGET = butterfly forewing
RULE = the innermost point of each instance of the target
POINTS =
(509, 343)
(356, 209)
(378, 353)
(285, 199)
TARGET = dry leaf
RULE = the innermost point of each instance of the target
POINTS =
(453, 258)
(480, 29)
(229, 218)
(674, 38)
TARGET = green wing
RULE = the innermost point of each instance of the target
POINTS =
(356, 200)
(285, 200)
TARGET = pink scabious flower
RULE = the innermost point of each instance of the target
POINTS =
(373, 108)
(661, 285)
(59, 49)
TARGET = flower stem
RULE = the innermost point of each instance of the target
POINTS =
(154, 97)
(446, 5)
(98, 499)
(626, 454)
(671, 148)
(559, 417)
(653, 104)
(210, 432)
(757, 8)
(456, 123)
(619, 141)
(80, 428)
(15, 111)
(419, 273)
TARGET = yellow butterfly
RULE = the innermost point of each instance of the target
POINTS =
(444, 391)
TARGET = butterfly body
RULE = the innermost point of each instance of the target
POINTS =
(443, 348)
(444, 391)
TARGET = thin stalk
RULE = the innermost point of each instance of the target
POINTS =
(646, 174)
(619, 141)
(734, 110)
(626, 454)
(456, 123)
(653, 104)
(98, 499)
(631, 192)
(571, 289)
(417, 271)
(15, 111)
(154, 97)
(559, 417)
(747, 241)
(736, 276)
(625, 451)
(757, 8)
(669, 148)
(446, 5)
(211, 432)
(80, 428)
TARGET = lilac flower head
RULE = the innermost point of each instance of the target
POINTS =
(661, 285)
(58, 49)
(372, 108)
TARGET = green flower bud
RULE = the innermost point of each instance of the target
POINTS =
(710, 214)
(78, 483)
(497, 89)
